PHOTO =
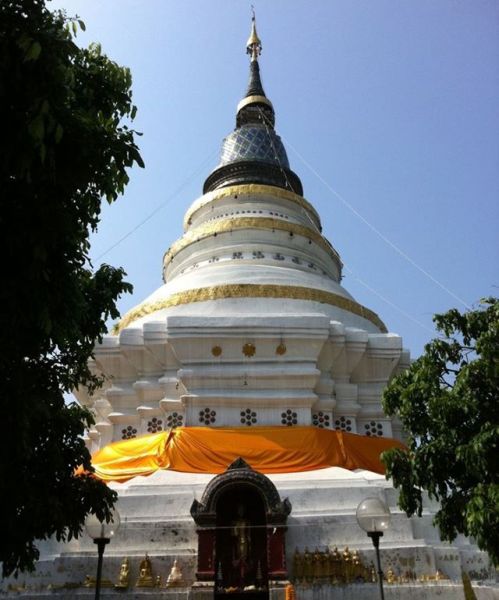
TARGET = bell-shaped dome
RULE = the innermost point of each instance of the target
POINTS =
(254, 142)
(253, 152)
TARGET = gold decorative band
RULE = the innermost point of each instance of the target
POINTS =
(252, 99)
(227, 225)
(249, 290)
(250, 189)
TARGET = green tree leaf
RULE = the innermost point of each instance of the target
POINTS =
(33, 52)
(134, 153)
(63, 150)
(448, 402)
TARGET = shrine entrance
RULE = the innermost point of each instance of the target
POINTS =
(241, 540)
(241, 525)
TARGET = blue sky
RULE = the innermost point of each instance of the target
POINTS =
(390, 105)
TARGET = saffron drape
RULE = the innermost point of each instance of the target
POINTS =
(266, 449)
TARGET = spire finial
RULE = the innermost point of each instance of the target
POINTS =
(253, 45)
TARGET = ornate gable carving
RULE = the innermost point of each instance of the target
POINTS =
(240, 473)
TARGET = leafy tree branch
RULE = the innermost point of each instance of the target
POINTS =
(65, 145)
(448, 402)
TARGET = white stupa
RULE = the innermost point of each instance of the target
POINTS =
(252, 334)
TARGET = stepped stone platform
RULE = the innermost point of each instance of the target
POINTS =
(323, 515)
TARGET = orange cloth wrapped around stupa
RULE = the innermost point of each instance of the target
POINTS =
(266, 449)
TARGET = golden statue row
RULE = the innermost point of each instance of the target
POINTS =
(333, 567)
(341, 568)
(145, 578)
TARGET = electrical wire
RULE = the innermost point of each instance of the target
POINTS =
(392, 304)
(161, 206)
(265, 121)
(366, 285)
(377, 231)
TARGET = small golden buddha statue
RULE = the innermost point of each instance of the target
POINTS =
(175, 577)
(390, 576)
(325, 564)
(124, 576)
(308, 565)
(372, 572)
(336, 567)
(145, 573)
(297, 565)
(347, 564)
(356, 569)
(317, 566)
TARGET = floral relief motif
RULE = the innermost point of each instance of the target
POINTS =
(373, 428)
(207, 416)
(128, 433)
(321, 420)
(155, 425)
(343, 424)
(174, 419)
(248, 417)
(289, 418)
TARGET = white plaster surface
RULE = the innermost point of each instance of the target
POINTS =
(155, 519)
(307, 356)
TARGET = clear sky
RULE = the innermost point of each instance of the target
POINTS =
(391, 104)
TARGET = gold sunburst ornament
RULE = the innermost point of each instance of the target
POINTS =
(249, 349)
(281, 349)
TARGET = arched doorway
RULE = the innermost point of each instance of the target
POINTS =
(241, 540)
(241, 533)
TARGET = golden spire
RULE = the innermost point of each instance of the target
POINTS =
(253, 45)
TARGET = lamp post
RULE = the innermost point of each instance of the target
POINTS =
(373, 516)
(101, 532)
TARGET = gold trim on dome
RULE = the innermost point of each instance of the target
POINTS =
(253, 99)
(250, 290)
(249, 189)
(228, 225)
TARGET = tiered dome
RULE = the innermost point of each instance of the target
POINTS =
(253, 152)
(250, 354)
(252, 326)
(252, 235)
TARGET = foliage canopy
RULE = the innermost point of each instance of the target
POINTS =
(448, 402)
(63, 148)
